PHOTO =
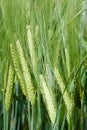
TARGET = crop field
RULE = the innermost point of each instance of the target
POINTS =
(43, 64)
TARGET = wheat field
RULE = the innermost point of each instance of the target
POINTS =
(43, 65)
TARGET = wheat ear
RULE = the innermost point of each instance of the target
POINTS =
(31, 49)
(67, 61)
(9, 88)
(17, 68)
(66, 97)
(26, 74)
(49, 99)
(27, 10)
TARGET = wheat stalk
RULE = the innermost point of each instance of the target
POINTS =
(17, 68)
(26, 74)
(49, 99)
(9, 88)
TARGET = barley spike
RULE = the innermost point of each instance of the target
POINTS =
(49, 99)
(9, 88)
(17, 68)
(26, 74)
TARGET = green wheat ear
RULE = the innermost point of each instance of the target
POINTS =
(26, 74)
(27, 10)
(49, 99)
(17, 68)
(9, 88)
(31, 49)
(67, 61)
(65, 94)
